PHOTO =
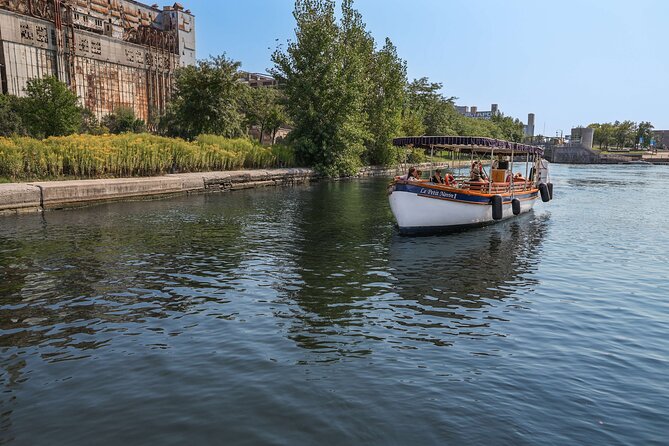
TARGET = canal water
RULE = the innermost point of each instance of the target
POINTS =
(299, 316)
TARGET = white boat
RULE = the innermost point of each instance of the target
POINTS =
(422, 206)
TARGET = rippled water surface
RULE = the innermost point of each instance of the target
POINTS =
(299, 316)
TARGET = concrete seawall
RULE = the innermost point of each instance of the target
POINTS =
(42, 195)
(578, 154)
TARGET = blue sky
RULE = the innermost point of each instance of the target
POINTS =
(569, 62)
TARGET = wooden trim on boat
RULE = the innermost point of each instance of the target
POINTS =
(429, 185)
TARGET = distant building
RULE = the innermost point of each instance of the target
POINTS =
(258, 80)
(529, 127)
(473, 112)
(661, 138)
(111, 53)
(583, 136)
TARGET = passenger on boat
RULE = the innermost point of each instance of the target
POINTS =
(517, 178)
(419, 174)
(411, 176)
(449, 180)
(476, 173)
(437, 178)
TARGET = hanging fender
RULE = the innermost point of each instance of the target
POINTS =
(496, 202)
(545, 193)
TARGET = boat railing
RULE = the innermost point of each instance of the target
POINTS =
(484, 187)
(497, 188)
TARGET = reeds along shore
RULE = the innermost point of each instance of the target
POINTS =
(128, 155)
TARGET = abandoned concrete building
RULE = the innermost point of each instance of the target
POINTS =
(110, 52)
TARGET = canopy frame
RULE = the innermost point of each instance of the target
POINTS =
(468, 144)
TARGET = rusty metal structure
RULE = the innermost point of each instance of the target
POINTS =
(111, 53)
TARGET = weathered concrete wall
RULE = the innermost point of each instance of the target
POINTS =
(577, 154)
(19, 198)
(110, 52)
(41, 195)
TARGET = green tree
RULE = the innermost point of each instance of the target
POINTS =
(50, 108)
(623, 133)
(604, 134)
(644, 133)
(412, 123)
(10, 118)
(263, 108)
(90, 123)
(324, 77)
(277, 118)
(437, 112)
(511, 129)
(207, 99)
(386, 100)
(123, 120)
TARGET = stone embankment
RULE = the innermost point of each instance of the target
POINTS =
(41, 195)
(578, 154)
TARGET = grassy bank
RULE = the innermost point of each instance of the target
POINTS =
(89, 156)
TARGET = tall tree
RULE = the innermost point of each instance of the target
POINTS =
(207, 99)
(325, 79)
(386, 100)
(50, 108)
(425, 99)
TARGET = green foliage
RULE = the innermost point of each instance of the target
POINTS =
(90, 123)
(436, 112)
(644, 133)
(263, 108)
(511, 129)
(207, 99)
(50, 108)
(123, 120)
(10, 120)
(126, 155)
(324, 77)
(386, 99)
(415, 156)
(622, 134)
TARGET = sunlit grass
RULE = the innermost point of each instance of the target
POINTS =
(128, 155)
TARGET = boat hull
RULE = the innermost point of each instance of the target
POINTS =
(421, 209)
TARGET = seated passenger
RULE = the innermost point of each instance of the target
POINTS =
(437, 178)
(411, 176)
(419, 174)
(517, 178)
(449, 180)
(476, 173)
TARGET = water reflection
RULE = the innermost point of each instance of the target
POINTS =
(356, 282)
(458, 285)
(322, 266)
(80, 273)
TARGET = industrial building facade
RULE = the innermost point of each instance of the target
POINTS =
(112, 53)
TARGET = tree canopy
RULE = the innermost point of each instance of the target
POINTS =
(623, 134)
(50, 108)
(206, 99)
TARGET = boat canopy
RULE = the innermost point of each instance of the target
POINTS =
(467, 144)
